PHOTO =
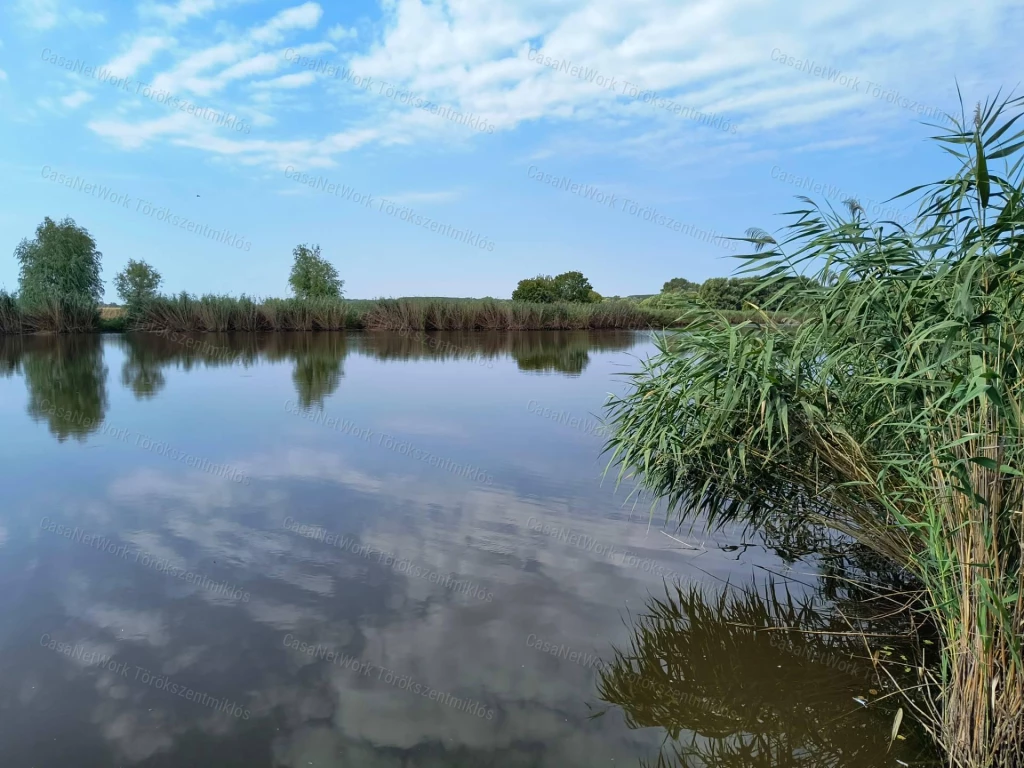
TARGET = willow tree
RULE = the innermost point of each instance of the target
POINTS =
(892, 414)
(60, 262)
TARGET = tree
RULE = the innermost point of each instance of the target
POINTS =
(60, 262)
(573, 287)
(313, 277)
(544, 289)
(137, 284)
(679, 284)
(539, 290)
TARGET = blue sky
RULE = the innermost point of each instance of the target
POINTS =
(455, 147)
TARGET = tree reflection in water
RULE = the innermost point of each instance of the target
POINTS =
(318, 367)
(66, 381)
(758, 677)
(66, 376)
(142, 371)
(564, 352)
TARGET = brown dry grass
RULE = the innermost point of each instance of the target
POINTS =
(110, 313)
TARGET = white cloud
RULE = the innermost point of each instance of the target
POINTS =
(475, 57)
(134, 135)
(263, 64)
(708, 56)
(288, 81)
(305, 16)
(188, 74)
(181, 11)
(47, 14)
(304, 153)
(39, 14)
(76, 99)
(139, 54)
(185, 76)
(308, 50)
(341, 32)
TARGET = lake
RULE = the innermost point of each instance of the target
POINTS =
(383, 549)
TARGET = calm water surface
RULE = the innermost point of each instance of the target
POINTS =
(378, 550)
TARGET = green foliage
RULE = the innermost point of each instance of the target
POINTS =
(137, 284)
(676, 301)
(60, 262)
(891, 414)
(570, 287)
(536, 290)
(11, 319)
(313, 277)
(54, 314)
(574, 288)
(731, 292)
(740, 293)
(680, 284)
(113, 324)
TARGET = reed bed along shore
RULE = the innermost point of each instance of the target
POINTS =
(50, 316)
(214, 314)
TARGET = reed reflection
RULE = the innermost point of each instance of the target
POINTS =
(766, 676)
(549, 351)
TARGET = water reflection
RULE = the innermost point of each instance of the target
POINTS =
(766, 676)
(66, 375)
(142, 370)
(420, 575)
(549, 351)
(318, 366)
(67, 383)
(11, 353)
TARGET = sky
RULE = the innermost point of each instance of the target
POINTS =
(455, 147)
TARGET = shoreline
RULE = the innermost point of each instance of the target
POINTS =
(229, 315)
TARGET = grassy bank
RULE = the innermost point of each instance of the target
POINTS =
(215, 314)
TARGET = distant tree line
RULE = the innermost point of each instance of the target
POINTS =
(62, 263)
